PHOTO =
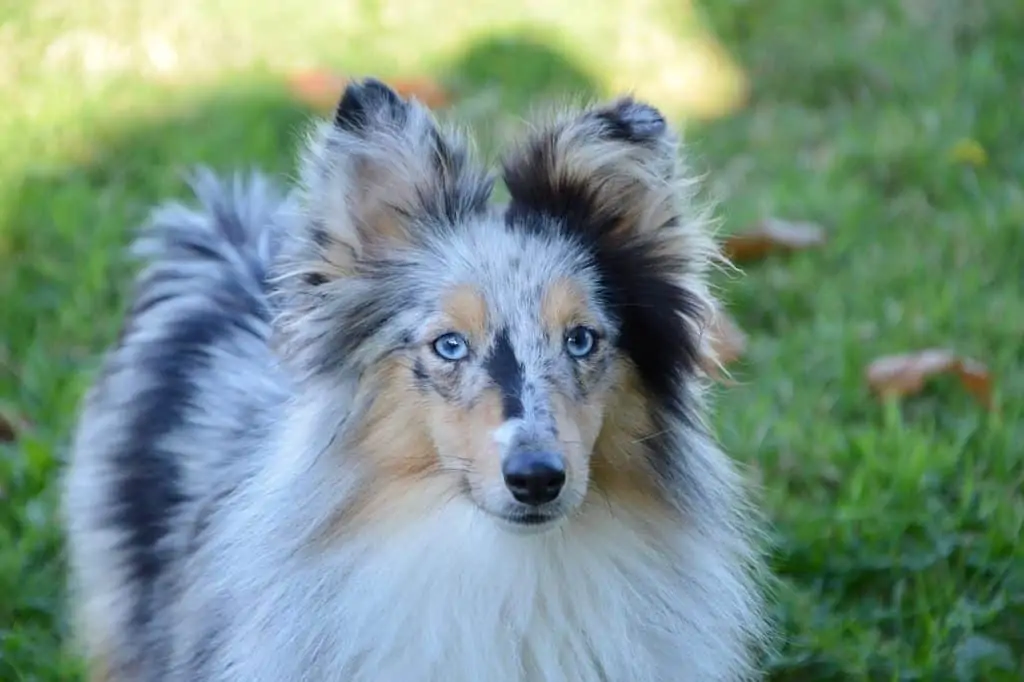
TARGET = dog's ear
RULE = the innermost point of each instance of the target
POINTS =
(610, 177)
(611, 168)
(377, 177)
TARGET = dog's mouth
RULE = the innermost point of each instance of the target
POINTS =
(531, 518)
(529, 521)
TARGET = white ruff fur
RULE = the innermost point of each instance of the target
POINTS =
(436, 590)
(455, 598)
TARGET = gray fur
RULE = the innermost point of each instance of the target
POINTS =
(219, 446)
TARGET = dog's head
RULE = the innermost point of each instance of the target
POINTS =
(522, 357)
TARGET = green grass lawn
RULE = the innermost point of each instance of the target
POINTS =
(897, 527)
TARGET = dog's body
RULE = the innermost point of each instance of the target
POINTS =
(446, 442)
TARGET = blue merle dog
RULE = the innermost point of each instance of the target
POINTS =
(377, 429)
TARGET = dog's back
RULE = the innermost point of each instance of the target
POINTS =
(173, 403)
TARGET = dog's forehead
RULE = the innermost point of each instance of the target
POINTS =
(513, 269)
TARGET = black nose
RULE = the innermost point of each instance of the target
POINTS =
(534, 477)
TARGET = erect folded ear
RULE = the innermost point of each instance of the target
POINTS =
(611, 179)
(612, 168)
(379, 176)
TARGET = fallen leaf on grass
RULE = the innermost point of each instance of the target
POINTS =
(968, 151)
(426, 90)
(10, 425)
(321, 89)
(772, 234)
(900, 375)
(317, 88)
(727, 341)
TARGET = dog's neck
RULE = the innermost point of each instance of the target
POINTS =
(432, 588)
(452, 595)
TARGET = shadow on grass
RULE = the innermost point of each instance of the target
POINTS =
(524, 66)
(61, 239)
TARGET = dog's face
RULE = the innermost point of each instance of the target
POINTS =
(512, 364)
(519, 356)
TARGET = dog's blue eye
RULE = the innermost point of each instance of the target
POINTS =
(451, 346)
(580, 342)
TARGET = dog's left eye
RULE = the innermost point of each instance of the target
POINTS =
(451, 346)
(580, 342)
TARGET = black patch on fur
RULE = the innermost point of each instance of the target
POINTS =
(536, 195)
(314, 279)
(651, 309)
(148, 485)
(148, 477)
(241, 307)
(419, 372)
(507, 373)
(320, 236)
(368, 100)
(637, 279)
(634, 122)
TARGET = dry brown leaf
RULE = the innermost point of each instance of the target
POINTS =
(321, 89)
(10, 425)
(728, 342)
(426, 90)
(318, 88)
(906, 374)
(770, 235)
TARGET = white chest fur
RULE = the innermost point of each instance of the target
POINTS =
(457, 598)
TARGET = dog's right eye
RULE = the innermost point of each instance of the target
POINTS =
(580, 342)
(451, 346)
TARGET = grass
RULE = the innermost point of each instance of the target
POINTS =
(897, 526)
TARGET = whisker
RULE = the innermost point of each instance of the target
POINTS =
(650, 436)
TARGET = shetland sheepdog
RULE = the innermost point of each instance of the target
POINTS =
(374, 427)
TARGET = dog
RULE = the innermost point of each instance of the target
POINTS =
(376, 427)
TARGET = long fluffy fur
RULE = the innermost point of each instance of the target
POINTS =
(229, 516)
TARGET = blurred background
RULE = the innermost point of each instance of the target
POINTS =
(891, 131)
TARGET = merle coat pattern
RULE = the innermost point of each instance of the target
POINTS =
(280, 475)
